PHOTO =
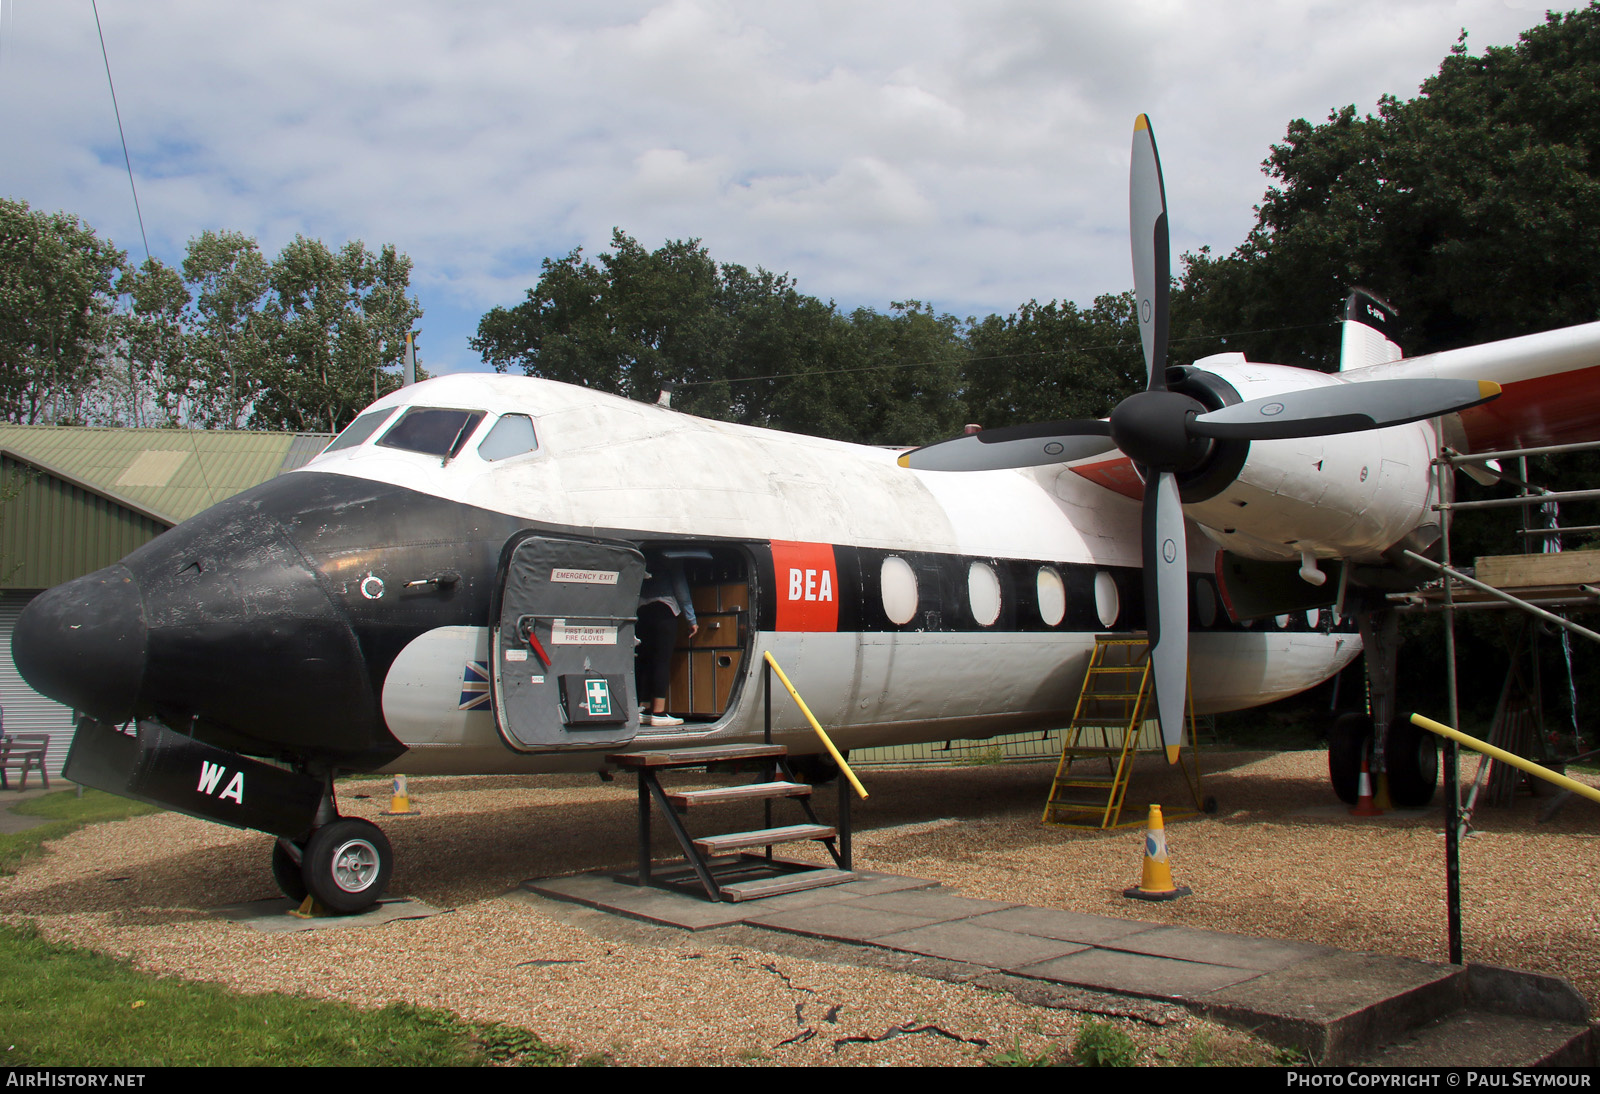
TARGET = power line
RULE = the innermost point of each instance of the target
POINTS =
(1100, 348)
(118, 112)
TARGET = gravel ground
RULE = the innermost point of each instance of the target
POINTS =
(1281, 859)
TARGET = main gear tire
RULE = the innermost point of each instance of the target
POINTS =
(1349, 742)
(286, 872)
(816, 769)
(1411, 757)
(347, 865)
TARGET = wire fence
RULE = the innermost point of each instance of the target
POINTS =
(1013, 748)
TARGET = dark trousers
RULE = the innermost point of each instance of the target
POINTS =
(652, 661)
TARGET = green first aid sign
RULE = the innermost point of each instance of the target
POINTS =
(598, 694)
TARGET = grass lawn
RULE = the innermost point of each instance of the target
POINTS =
(63, 1006)
(66, 811)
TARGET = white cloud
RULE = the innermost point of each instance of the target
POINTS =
(970, 156)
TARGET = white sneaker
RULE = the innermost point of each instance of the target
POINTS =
(663, 720)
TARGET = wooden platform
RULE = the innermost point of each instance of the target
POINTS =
(1562, 568)
(1567, 579)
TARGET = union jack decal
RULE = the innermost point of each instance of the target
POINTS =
(475, 686)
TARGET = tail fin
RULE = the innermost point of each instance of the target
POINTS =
(1369, 330)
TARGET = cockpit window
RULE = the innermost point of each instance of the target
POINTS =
(433, 430)
(360, 429)
(511, 436)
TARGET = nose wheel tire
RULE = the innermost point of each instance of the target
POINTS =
(346, 865)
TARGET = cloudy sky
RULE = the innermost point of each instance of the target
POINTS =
(973, 156)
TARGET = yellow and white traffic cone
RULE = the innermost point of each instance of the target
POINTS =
(1365, 806)
(1157, 879)
(400, 801)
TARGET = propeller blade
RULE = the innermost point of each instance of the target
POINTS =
(1014, 446)
(1166, 605)
(1152, 264)
(1345, 408)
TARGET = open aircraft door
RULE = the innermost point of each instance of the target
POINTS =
(562, 644)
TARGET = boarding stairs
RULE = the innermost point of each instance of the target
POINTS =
(1098, 747)
(740, 865)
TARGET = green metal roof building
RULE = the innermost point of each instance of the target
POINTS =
(73, 500)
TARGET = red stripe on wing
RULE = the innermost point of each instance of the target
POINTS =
(1558, 409)
(1116, 474)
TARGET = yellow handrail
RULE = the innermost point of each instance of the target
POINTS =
(1508, 758)
(834, 752)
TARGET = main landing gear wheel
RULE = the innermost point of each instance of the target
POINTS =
(1349, 741)
(1411, 757)
(346, 865)
(286, 872)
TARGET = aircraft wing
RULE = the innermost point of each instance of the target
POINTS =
(1550, 387)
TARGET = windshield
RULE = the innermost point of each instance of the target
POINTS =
(432, 430)
(511, 436)
(360, 429)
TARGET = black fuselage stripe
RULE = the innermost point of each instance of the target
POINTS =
(372, 548)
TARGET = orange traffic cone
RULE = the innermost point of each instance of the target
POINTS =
(1365, 806)
(1156, 883)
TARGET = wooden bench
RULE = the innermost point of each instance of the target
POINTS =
(19, 752)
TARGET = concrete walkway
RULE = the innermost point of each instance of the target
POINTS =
(1329, 1005)
(15, 822)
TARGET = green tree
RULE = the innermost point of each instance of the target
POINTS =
(216, 384)
(777, 354)
(905, 387)
(56, 279)
(154, 341)
(1048, 362)
(1475, 207)
(625, 325)
(333, 334)
(739, 344)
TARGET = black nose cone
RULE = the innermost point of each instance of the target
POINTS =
(84, 643)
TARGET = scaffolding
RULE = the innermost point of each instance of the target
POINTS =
(1545, 582)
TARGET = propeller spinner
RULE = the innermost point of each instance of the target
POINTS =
(1167, 433)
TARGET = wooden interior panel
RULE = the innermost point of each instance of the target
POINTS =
(706, 667)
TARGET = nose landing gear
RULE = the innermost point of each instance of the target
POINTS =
(344, 865)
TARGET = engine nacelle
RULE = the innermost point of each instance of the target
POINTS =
(1346, 495)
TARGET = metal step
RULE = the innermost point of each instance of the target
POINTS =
(683, 799)
(786, 883)
(695, 757)
(1078, 807)
(764, 837)
(1084, 818)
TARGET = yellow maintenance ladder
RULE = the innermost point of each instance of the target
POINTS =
(1117, 689)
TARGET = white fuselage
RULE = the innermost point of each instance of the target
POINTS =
(610, 467)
